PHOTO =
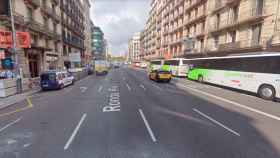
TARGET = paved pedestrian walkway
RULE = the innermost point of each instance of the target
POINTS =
(5, 102)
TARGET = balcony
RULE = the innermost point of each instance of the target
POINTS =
(35, 26)
(255, 15)
(195, 4)
(238, 46)
(46, 10)
(18, 18)
(32, 3)
(49, 33)
(195, 20)
(219, 5)
(231, 45)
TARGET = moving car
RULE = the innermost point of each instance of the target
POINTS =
(160, 75)
(56, 79)
(101, 67)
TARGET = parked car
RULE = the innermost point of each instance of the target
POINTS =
(56, 79)
(160, 75)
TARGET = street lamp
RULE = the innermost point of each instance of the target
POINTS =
(14, 51)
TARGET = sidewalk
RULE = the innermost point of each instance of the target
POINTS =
(5, 102)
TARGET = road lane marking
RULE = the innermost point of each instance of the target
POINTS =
(142, 86)
(75, 132)
(147, 126)
(217, 122)
(100, 89)
(29, 105)
(156, 86)
(124, 78)
(10, 124)
(128, 87)
(83, 89)
(234, 103)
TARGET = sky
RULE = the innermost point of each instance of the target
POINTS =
(119, 20)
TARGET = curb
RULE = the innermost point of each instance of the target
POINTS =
(23, 97)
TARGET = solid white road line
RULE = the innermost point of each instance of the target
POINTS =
(147, 126)
(234, 103)
(142, 86)
(75, 132)
(128, 87)
(217, 122)
(10, 124)
(100, 89)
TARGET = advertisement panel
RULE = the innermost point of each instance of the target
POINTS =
(75, 57)
(23, 39)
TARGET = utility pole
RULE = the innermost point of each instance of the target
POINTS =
(14, 50)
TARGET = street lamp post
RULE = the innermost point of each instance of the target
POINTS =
(14, 51)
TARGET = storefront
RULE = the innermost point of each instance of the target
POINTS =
(51, 61)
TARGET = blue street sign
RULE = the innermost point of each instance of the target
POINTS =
(7, 63)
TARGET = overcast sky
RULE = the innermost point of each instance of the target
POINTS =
(119, 20)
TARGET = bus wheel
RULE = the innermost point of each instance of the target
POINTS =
(200, 79)
(267, 92)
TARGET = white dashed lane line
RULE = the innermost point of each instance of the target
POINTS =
(233, 103)
(70, 140)
(151, 133)
(216, 122)
(100, 89)
(10, 124)
(128, 87)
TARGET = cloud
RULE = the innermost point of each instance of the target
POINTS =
(119, 20)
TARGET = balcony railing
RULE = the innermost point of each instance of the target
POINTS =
(18, 18)
(33, 25)
(49, 33)
(255, 15)
(33, 3)
(231, 45)
(234, 46)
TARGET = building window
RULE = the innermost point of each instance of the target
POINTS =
(216, 42)
(232, 36)
(256, 34)
(218, 18)
(29, 13)
(235, 11)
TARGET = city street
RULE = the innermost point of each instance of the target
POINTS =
(125, 115)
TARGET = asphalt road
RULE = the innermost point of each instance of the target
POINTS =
(125, 115)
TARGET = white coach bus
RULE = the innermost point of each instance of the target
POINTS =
(178, 66)
(259, 73)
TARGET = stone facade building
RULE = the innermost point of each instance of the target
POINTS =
(192, 28)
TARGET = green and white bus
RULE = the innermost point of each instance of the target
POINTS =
(178, 66)
(259, 73)
(155, 65)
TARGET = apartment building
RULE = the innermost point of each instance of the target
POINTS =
(243, 26)
(151, 33)
(42, 21)
(73, 32)
(193, 28)
(134, 48)
(87, 32)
